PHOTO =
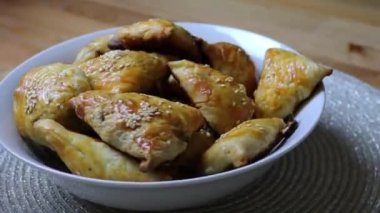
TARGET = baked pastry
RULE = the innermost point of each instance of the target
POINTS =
(147, 127)
(44, 92)
(125, 71)
(287, 79)
(242, 144)
(90, 157)
(197, 144)
(95, 48)
(157, 35)
(233, 61)
(223, 102)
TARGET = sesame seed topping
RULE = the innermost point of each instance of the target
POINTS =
(116, 54)
(233, 103)
(291, 67)
(133, 119)
(31, 99)
(106, 62)
(299, 65)
(33, 88)
(146, 110)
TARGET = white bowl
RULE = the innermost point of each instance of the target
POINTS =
(164, 195)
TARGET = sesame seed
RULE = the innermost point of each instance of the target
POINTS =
(229, 79)
(133, 119)
(233, 103)
(106, 62)
(32, 89)
(207, 133)
(146, 110)
(116, 54)
(31, 99)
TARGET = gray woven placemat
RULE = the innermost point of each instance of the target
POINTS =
(337, 169)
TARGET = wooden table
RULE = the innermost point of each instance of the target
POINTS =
(344, 34)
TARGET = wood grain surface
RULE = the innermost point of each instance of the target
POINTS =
(344, 34)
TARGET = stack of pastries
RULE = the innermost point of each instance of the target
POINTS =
(152, 102)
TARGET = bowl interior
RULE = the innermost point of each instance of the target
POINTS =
(254, 44)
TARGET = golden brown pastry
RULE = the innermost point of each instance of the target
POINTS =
(223, 102)
(286, 80)
(233, 61)
(147, 127)
(157, 35)
(198, 143)
(125, 71)
(241, 144)
(44, 92)
(95, 48)
(89, 157)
